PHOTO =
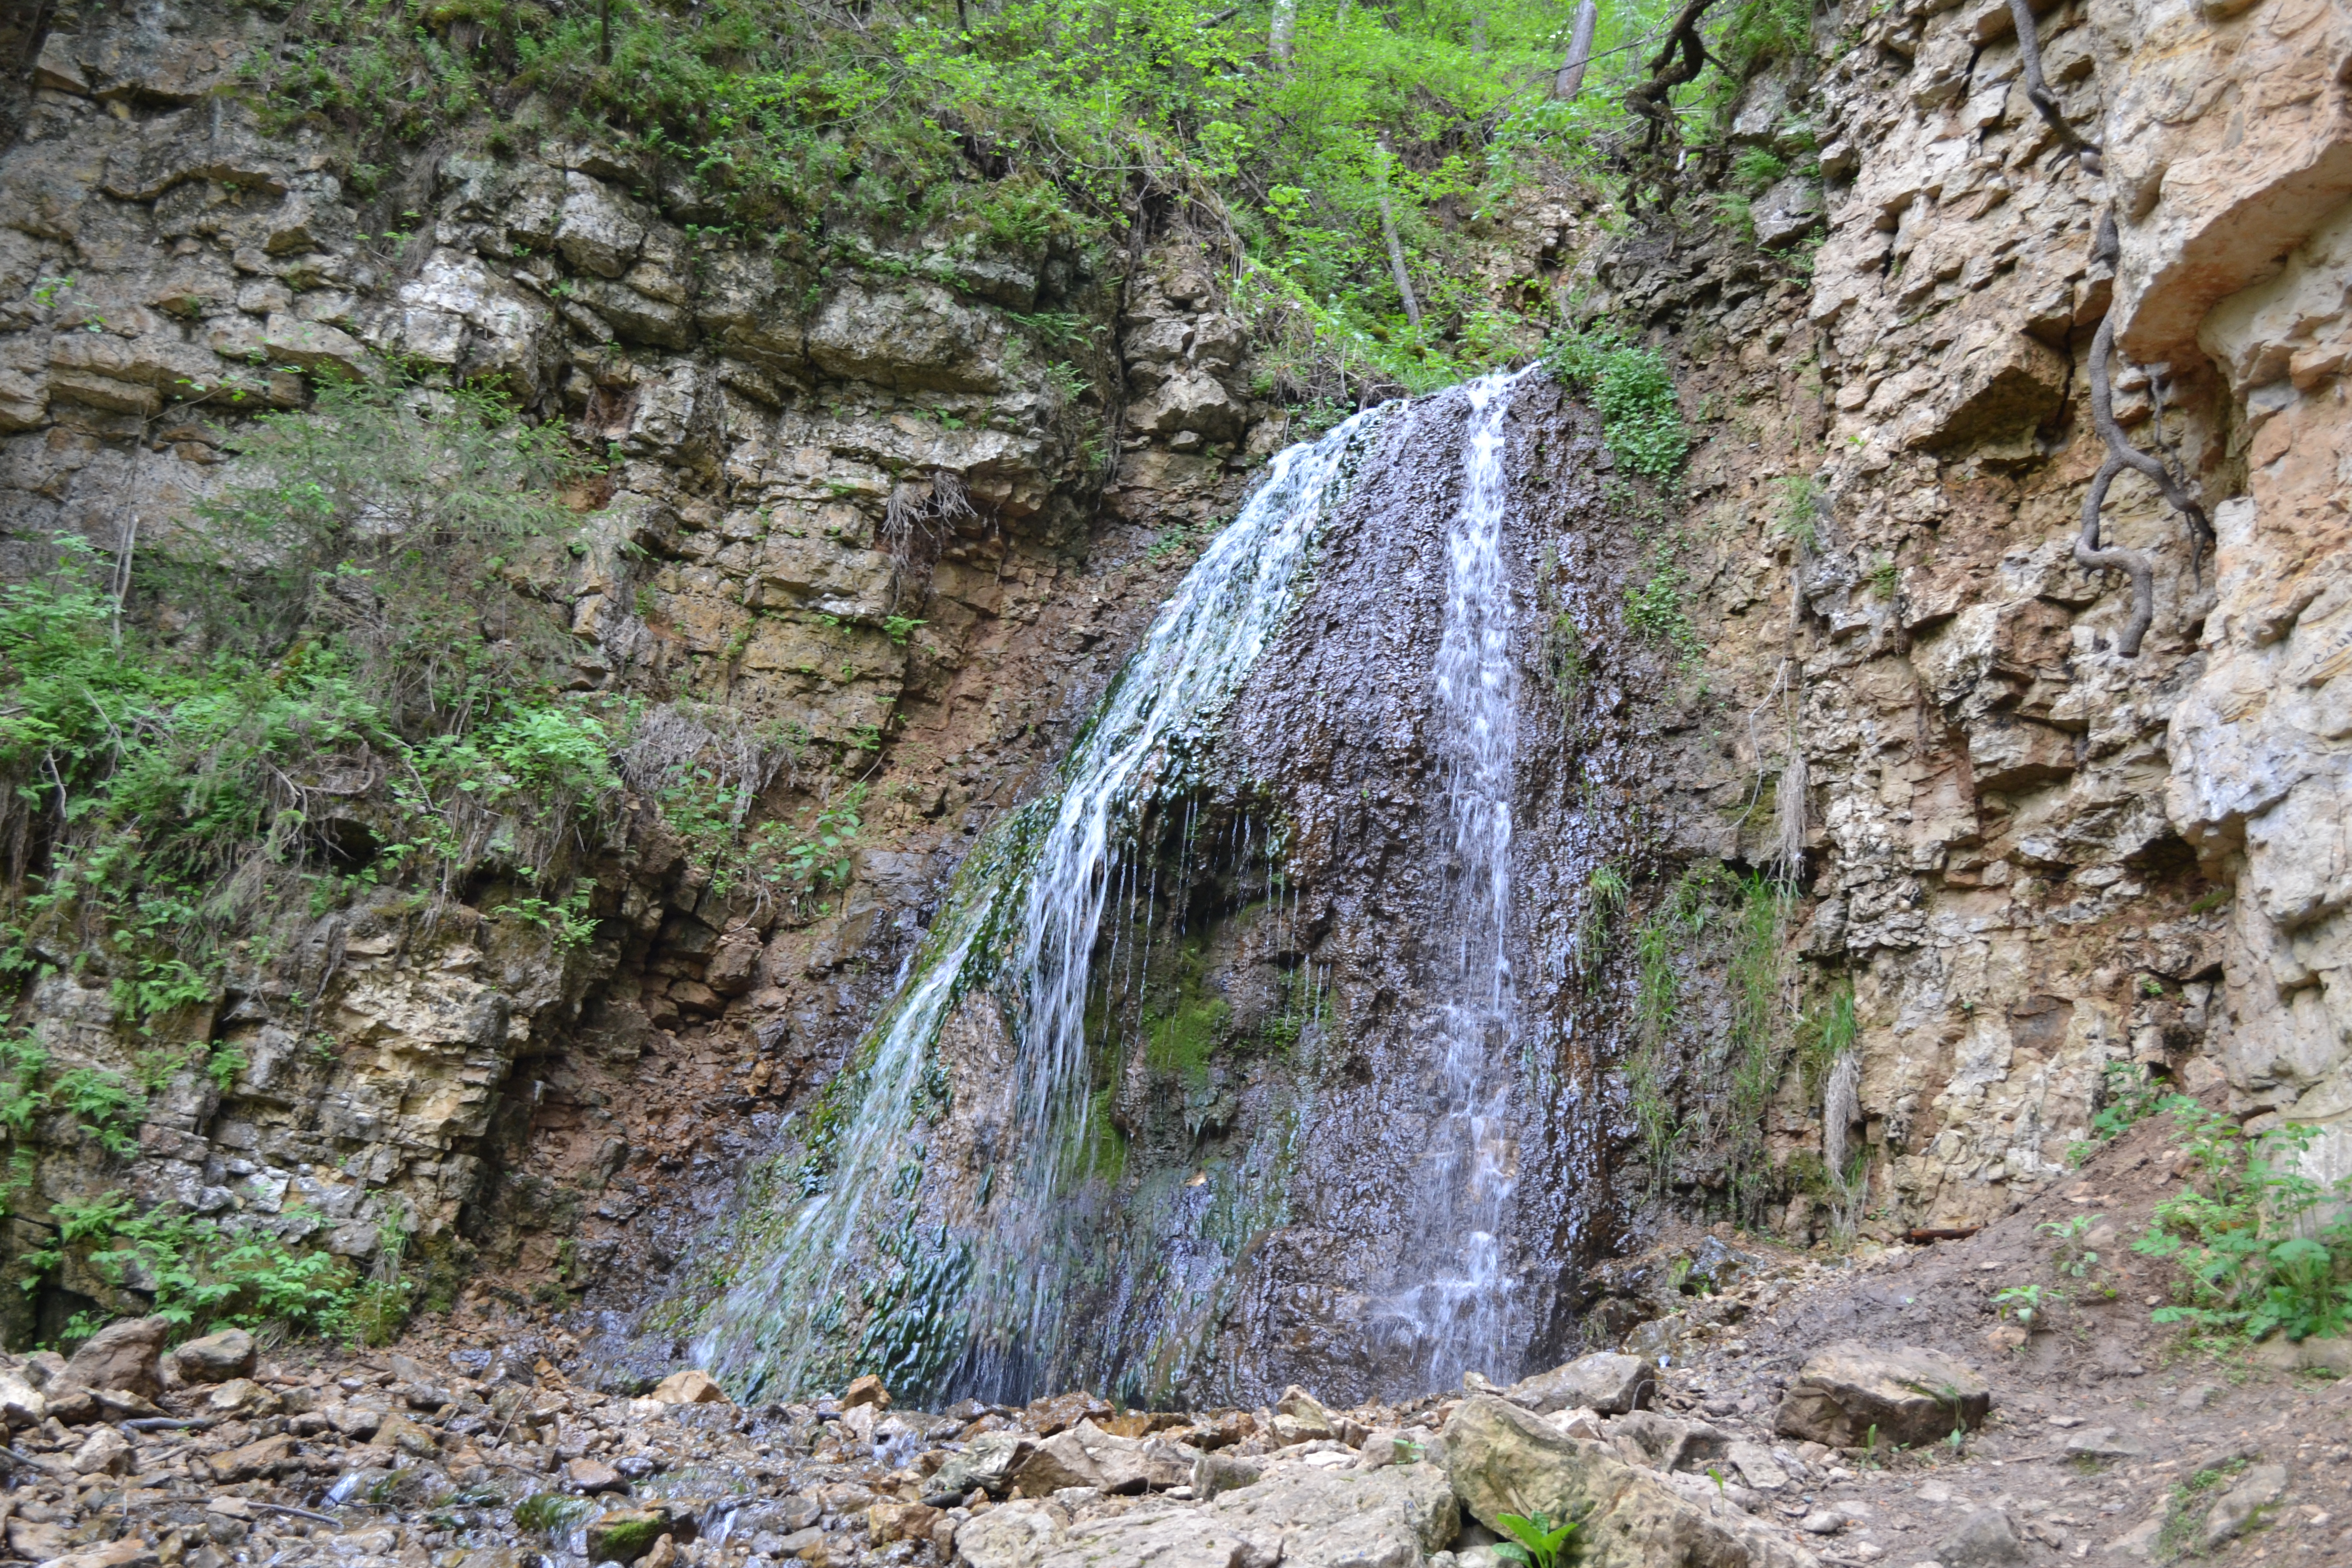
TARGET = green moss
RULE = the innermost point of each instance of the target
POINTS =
(1183, 1040)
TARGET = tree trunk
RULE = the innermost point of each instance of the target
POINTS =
(1280, 33)
(1396, 247)
(1570, 80)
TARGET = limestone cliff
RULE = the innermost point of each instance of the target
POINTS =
(911, 499)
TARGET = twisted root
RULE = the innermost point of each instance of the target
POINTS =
(2122, 454)
(2037, 89)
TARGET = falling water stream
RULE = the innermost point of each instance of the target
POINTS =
(1022, 919)
(847, 1250)
(1456, 1302)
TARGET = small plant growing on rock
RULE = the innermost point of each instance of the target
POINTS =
(1535, 1542)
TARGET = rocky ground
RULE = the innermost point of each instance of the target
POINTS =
(1791, 1408)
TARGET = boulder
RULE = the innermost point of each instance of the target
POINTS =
(689, 1387)
(1345, 1518)
(1028, 1535)
(1503, 1459)
(1608, 1383)
(216, 1358)
(1983, 1539)
(1667, 1443)
(1061, 1460)
(1300, 1418)
(1217, 1473)
(122, 1355)
(989, 1462)
(1912, 1397)
(21, 1403)
(2260, 1487)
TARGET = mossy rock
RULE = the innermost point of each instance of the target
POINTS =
(625, 1534)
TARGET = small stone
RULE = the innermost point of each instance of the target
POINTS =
(2199, 1397)
(1754, 1465)
(1821, 1521)
(593, 1475)
(867, 1390)
(104, 1452)
(2104, 1443)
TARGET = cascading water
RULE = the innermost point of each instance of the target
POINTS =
(988, 1311)
(1456, 1305)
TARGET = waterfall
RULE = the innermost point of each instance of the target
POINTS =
(844, 1249)
(1455, 1304)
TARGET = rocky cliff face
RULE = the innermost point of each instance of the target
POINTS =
(908, 502)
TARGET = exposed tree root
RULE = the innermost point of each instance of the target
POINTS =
(2037, 89)
(2122, 454)
(1679, 60)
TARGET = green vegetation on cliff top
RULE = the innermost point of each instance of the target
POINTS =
(1020, 121)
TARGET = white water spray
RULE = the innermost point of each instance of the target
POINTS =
(1458, 1305)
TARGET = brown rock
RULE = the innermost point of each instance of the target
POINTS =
(867, 1390)
(591, 1475)
(1911, 1396)
(1047, 1417)
(216, 1358)
(254, 1459)
(130, 1551)
(889, 1522)
(122, 1355)
(408, 1436)
(689, 1387)
(1300, 1418)
(104, 1452)
(1061, 1460)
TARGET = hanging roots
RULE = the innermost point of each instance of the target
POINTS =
(1679, 60)
(916, 509)
(2122, 454)
(2037, 91)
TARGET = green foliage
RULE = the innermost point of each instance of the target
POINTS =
(898, 628)
(1799, 514)
(2127, 1093)
(1029, 124)
(170, 750)
(1825, 1035)
(1655, 605)
(1535, 1542)
(2074, 1256)
(551, 1513)
(1633, 390)
(201, 1273)
(2257, 1245)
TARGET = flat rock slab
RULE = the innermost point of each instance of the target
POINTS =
(1298, 1515)
(1911, 1396)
